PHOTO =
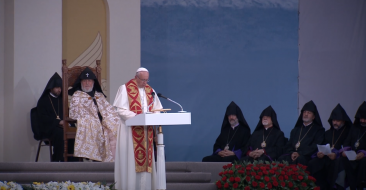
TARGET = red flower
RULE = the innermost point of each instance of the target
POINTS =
(316, 188)
(257, 177)
(280, 178)
(273, 164)
(273, 178)
(300, 177)
(261, 184)
(235, 185)
(282, 172)
(225, 167)
(252, 173)
(280, 165)
(241, 171)
(312, 178)
(254, 184)
(248, 168)
(290, 184)
(265, 172)
(277, 173)
(231, 179)
(263, 168)
(255, 168)
(218, 184)
(237, 179)
(283, 184)
(230, 165)
(296, 188)
(260, 173)
(248, 173)
(286, 177)
(271, 171)
(275, 183)
(237, 166)
(269, 185)
(221, 173)
(247, 188)
(223, 179)
(304, 184)
(266, 178)
(247, 178)
(226, 185)
(225, 172)
(231, 172)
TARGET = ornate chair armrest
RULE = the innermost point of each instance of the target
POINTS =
(69, 120)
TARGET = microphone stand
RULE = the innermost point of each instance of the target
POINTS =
(177, 104)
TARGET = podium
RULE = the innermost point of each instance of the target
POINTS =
(160, 119)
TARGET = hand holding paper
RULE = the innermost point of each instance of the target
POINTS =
(325, 149)
(351, 155)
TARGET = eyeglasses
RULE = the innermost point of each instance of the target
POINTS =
(144, 80)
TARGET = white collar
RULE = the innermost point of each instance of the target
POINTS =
(53, 95)
(307, 124)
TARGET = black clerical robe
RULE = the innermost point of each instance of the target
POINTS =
(49, 108)
(275, 140)
(309, 137)
(324, 169)
(355, 170)
(236, 138)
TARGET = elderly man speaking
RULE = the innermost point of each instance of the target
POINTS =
(97, 120)
(134, 164)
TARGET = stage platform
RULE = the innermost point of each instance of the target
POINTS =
(180, 175)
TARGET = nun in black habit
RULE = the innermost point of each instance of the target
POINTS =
(325, 168)
(234, 135)
(267, 140)
(356, 140)
(304, 137)
(50, 115)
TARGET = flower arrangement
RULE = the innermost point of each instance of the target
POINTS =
(260, 175)
(10, 186)
(67, 185)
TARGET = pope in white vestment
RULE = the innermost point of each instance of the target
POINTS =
(135, 168)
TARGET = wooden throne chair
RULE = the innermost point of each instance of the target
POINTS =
(69, 76)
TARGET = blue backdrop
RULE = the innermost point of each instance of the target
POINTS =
(204, 57)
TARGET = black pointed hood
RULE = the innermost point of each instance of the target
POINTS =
(234, 109)
(269, 111)
(87, 73)
(55, 81)
(309, 106)
(361, 113)
(339, 113)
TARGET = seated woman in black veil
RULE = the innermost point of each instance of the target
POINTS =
(267, 139)
(235, 133)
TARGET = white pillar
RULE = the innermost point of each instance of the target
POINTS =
(161, 173)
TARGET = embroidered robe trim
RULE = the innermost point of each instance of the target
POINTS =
(143, 162)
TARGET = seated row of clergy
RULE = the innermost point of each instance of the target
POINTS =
(268, 142)
(102, 134)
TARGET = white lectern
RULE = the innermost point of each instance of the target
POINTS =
(160, 119)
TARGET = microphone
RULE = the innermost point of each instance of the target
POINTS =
(153, 96)
(161, 96)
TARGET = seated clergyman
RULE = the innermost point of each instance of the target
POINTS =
(267, 140)
(97, 120)
(325, 167)
(51, 117)
(356, 141)
(304, 137)
(235, 133)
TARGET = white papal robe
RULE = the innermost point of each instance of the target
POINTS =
(125, 174)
